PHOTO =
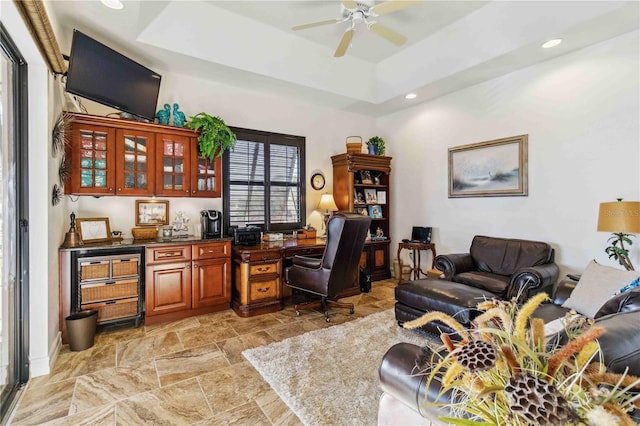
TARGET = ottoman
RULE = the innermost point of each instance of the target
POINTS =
(415, 298)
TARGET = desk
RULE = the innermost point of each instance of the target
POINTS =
(258, 277)
(416, 249)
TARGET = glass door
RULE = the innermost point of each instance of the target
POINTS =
(14, 370)
(174, 166)
(135, 163)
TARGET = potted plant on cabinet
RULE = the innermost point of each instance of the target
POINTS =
(376, 145)
(215, 136)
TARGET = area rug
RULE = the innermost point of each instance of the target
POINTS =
(330, 376)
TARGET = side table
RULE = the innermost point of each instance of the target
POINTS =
(416, 249)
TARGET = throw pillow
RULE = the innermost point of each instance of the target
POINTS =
(597, 284)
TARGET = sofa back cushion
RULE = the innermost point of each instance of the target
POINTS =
(504, 256)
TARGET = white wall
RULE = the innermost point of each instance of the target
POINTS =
(325, 131)
(581, 114)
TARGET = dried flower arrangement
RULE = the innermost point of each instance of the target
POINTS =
(503, 372)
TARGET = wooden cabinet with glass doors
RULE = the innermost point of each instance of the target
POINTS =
(112, 156)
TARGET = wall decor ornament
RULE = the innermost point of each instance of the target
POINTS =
(493, 168)
(164, 114)
(178, 116)
(60, 133)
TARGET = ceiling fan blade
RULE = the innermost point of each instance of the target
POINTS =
(386, 32)
(344, 43)
(391, 6)
(316, 24)
(350, 4)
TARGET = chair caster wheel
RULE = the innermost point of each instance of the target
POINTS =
(327, 319)
(297, 313)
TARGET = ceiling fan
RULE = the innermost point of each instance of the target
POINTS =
(365, 11)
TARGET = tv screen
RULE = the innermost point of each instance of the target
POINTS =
(101, 74)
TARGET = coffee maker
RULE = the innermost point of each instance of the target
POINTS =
(211, 221)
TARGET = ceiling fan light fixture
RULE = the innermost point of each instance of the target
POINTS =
(410, 96)
(552, 43)
(113, 4)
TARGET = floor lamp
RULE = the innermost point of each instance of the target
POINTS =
(622, 218)
(328, 204)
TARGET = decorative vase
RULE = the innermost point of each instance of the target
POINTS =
(373, 149)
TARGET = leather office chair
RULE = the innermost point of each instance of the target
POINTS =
(339, 267)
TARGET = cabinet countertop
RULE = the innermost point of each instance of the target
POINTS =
(127, 242)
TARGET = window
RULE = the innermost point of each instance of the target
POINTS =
(264, 181)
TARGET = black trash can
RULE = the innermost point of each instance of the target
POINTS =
(81, 329)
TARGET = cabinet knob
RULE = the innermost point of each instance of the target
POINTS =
(110, 188)
(195, 265)
(119, 189)
(187, 191)
(193, 192)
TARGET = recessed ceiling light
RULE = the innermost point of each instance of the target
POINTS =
(113, 4)
(410, 96)
(552, 43)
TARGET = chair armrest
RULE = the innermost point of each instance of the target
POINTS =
(535, 279)
(307, 262)
(453, 264)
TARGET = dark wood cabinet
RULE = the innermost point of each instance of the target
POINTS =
(361, 184)
(111, 156)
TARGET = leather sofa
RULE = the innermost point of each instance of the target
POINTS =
(494, 268)
(405, 391)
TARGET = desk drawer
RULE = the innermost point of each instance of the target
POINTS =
(214, 250)
(305, 251)
(264, 268)
(168, 254)
(262, 290)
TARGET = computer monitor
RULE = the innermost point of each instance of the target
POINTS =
(421, 234)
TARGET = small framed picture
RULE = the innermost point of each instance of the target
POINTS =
(375, 212)
(376, 180)
(358, 197)
(363, 211)
(152, 212)
(365, 176)
(94, 230)
(382, 197)
(371, 196)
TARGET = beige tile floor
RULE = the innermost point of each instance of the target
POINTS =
(187, 372)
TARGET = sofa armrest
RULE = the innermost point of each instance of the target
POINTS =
(563, 291)
(401, 376)
(453, 264)
(535, 279)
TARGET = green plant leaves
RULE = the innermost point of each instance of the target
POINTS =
(215, 136)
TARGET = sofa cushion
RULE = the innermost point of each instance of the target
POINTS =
(597, 284)
(484, 280)
(628, 301)
(620, 342)
(505, 256)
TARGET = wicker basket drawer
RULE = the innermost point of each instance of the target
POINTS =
(264, 290)
(107, 291)
(114, 309)
(263, 268)
(94, 270)
(125, 267)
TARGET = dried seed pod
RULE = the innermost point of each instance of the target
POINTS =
(476, 355)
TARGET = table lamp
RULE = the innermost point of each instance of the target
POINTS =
(622, 218)
(328, 204)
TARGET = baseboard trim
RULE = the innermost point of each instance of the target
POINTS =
(44, 365)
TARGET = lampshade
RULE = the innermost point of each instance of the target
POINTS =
(327, 203)
(620, 216)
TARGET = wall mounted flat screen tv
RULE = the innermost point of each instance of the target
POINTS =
(101, 74)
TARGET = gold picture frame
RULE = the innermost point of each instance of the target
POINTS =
(152, 212)
(495, 168)
(94, 229)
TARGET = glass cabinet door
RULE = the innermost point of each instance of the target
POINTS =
(93, 156)
(173, 165)
(135, 163)
(206, 177)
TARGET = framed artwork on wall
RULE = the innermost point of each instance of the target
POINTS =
(152, 212)
(489, 169)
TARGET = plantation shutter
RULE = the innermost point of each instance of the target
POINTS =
(265, 181)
